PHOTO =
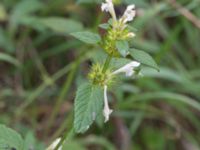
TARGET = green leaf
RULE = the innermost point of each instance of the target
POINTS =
(9, 59)
(87, 37)
(34, 22)
(10, 139)
(24, 8)
(122, 47)
(144, 58)
(5, 41)
(88, 104)
(30, 142)
(117, 63)
(61, 25)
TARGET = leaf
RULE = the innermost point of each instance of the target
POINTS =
(61, 25)
(122, 47)
(9, 59)
(117, 63)
(24, 8)
(34, 22)
(5, 41)
(88, 104)
(87, 37)
(144, 58)
(30, 142)
(10, 139)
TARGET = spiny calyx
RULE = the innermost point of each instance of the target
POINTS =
(97, 77)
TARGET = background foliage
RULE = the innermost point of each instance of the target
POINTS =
(42, 64)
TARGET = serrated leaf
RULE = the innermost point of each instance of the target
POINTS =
(122, 47)
(87, 37)
(144, 58)
(61, 25)
(10, 139)
(88, 104)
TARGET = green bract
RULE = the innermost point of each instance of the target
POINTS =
(97, 77)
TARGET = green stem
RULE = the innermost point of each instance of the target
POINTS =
(107, 63)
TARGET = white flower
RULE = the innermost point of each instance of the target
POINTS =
(109, 7)
(54, 144)
(129, 14)
(128, 69)
(106, 111)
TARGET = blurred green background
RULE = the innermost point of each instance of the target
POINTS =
(41, 66)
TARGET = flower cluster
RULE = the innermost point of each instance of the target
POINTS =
(118, 31)
(129, 13)
(97, 77)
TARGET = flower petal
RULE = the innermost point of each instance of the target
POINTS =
(129, 73)
(105, 7)
(106, 111)
(54, 144)
(109, 7)
(129, 14)
(130, 7)
(128, 69)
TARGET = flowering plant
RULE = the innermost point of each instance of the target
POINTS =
(91, 97)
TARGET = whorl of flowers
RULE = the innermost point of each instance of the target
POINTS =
(118, 31)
